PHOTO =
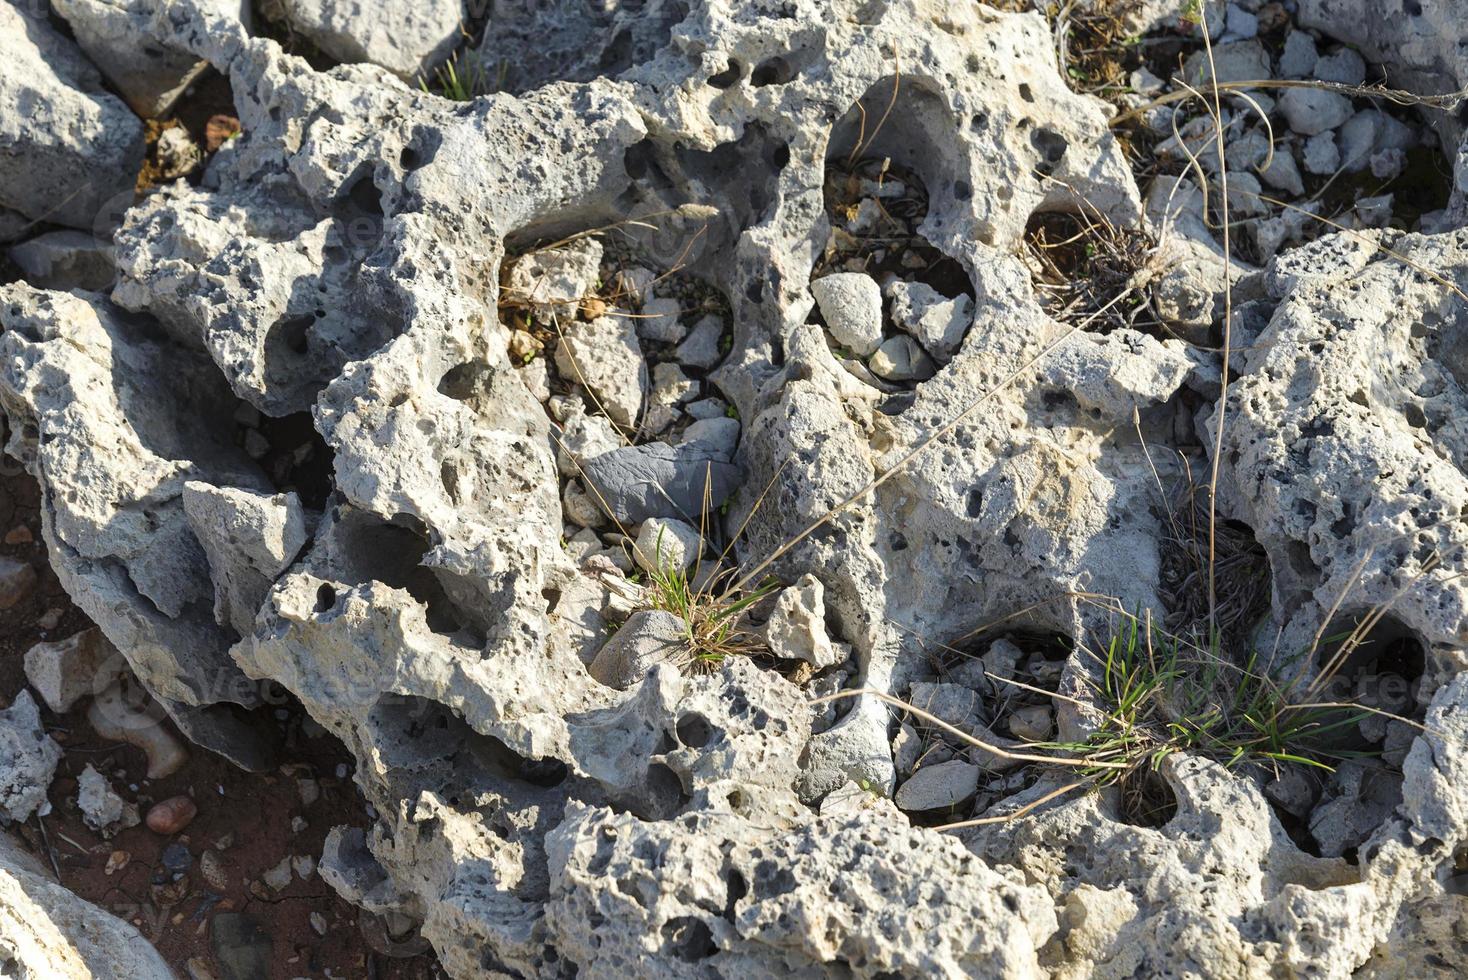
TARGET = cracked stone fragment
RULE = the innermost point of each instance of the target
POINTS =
(647, 638)
(851, 303)
(605, 357)
(635, 483)
(28, 760)
(249, 538)
(797, 628)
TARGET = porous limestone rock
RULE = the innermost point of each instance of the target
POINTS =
(408, 39)
(70, 147)
(797, 627)
(604, 356)
(149, 75)
(28, 759)
(346, 257)
(102, 809)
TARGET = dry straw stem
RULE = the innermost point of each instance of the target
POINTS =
(965, 736)
(1448, 102)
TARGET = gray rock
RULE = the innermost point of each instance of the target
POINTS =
(657, 480)
(1299, 56)
(935, 321)
(1283, 173)
(408, 39)
(944, 786)
(720, 433)
(241, 946)
(1033, 723)
(65, 671)
(580, 438)
(1241, 61)
(72, 149)
(1321, 155)
(851, 304)
(659, 321)
(707, 408)
(249, 539)
(1240, 23)
(28, 760)
(604, 356)
(701, 349)
(648, 638)
(65, 260)
(115, 35)
(901, 358)
(1343, 66)
(1310, 110)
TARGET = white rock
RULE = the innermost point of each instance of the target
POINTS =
(851, 303)
(938, 787)
(28, 759)
(407, 39)
(102, 809)
(115, 36)
(49, 932)
(797, 628)
(72, 150)
(935, 321)
(665, 544)
(553, 282)
(1309, 110)
(604, 356)
(65, 671)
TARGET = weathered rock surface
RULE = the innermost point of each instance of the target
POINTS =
(553, 797)
(28, 759)
(70, 147)
(408, 39)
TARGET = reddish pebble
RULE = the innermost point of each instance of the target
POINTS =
(172, 815)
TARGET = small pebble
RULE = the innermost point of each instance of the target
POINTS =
(176, 857)
(171, 815)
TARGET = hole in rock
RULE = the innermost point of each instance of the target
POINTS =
(772, 71)
(290, 451)
(728, 76)
(1242, 578)
(689, 939)
(694, 730)
(1144, 798)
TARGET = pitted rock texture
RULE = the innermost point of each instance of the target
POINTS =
(303, 440)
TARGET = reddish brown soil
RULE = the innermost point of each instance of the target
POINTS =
(245, 819)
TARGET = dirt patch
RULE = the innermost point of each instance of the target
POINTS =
(176, 889)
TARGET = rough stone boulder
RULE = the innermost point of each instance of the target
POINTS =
(318, 435)
(70, 148)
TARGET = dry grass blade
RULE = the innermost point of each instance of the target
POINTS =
(1448, 102)
(963, 735)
